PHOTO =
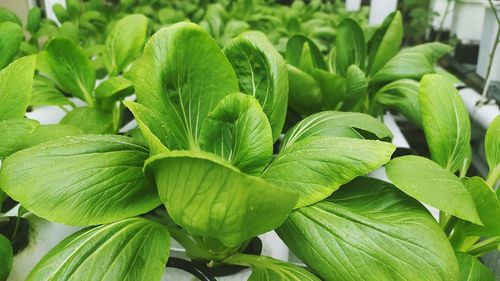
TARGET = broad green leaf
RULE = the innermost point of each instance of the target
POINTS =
(60, 12)
(471, 269)
(262, 73)
(385, 43)
(239, 131)
(492, 151)
(34, 20)
(296, 56)
(11, 36)
(350, 46)
(11, 131)
(333, 89)
(132, 249)
(15, 88)
(487, 205)
(6, 257)
(9, 16)
(112, 90)
(81, 180)
(336, 124)
(182, 76)
(46, 133)
(317, 166)
(152, 127)
(208, 197)
(305, 94)
(269, 269)
(90, 120)
(426, 181)
(74, 8)
(445, 121)
(412, 63)
(402, 95)
(125, 42)
(45, 92)
(72, 68)
(370, 229)
(357, 86)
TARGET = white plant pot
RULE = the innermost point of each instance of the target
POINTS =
(467, 20)
(490, 29)
(352, 5)
(439, 7)
(380, 9)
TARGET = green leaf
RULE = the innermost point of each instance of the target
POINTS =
(402, 95)
(45, 92)
(445, 121)
(131, 249)
(305, 93)
(9, 16)
(336, 124)
(487, 205)
(492, 151)
(333, 89)
(60, 12)
(471, 269)
(385, 43)
(152, 127)
(350, 46)
(34, 20)
(426, 181)
(90, 120)
(239, 131)
(81, 180)
(112, 90)
(11, 36)
(125, 42)
(72, 68)
(317, 166)
(11, 131)
(6, 257)
(357, 86)
(269, 269)
(369, 228)
(208, 197)
(181, 77)
(302, 53)
(412, 63)
(74, 8)
(15, 87)
(262, 73)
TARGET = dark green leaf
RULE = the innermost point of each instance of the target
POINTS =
(132, 249)
(34, 20)
(295, 54)
(402, 95)
(317, 166)
(471, 269)
(90, 120)
(15, 88)
(350, 46)
(487, 205)
(305, 93)
(446, 123)
(412, 63)
(357, 86)
(81, 180)
(9, 16)
(335, 124)
(262, 73)
(426, 181)
(60, 12)
(369, 229)
(333, 88)
(385, 43)
(181, 77)
(11, 36)
(207, 196)
(72, 68)
(125, 42)
(239, 131)
(6, 257)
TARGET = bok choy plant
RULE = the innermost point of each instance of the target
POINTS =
(365, 72)
(209, 119)
(469, 207)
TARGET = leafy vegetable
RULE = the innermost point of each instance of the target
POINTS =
(472, 269)
(350, 46)
(492, 147)
(11, 36)
(488, 208)
(6, 256)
